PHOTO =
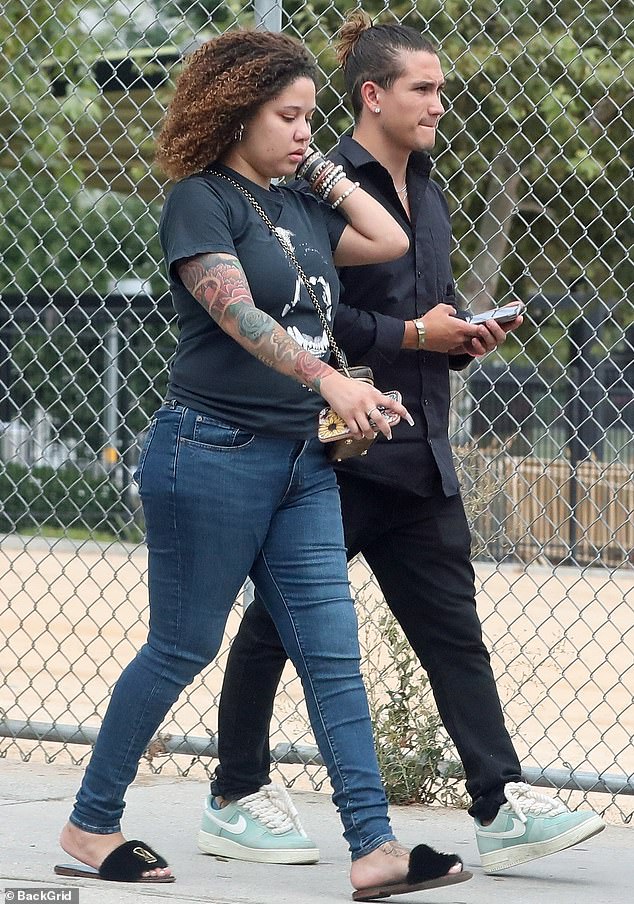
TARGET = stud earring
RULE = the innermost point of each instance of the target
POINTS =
(239, 132)
(377, 109)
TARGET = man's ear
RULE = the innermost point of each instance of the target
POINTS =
(371, 96)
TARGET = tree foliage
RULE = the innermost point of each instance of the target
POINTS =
(543, 92)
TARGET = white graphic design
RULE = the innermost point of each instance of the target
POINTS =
(286, 236)
(235, 828)
(317, 345)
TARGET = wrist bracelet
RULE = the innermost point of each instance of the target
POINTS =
(421, 333)
(345, 195)
(323, 174)
(337, 178)
(310, 159)
(315, 170)
(325, 187)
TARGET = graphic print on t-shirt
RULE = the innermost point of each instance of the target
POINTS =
(317, 345)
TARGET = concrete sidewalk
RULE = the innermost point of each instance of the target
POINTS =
(164, 812)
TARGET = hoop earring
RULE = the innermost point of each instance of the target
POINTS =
(239, 132)
(377, 109)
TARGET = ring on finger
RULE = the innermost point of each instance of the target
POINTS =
(369, 417)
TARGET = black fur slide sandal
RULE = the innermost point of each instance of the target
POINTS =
(427, 869)
(127, 863)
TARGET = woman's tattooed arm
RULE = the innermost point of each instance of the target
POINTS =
(219, 284)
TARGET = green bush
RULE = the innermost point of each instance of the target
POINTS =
(38, 498)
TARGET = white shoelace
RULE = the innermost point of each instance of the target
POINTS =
(273, 807)
(525, 801)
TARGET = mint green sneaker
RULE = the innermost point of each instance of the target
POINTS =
(531, 825)
(263, 827)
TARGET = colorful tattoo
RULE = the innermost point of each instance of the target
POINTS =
(218, 283)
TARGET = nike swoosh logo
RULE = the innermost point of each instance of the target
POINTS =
(235, 828)
(516, 831)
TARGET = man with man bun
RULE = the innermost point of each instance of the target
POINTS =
(401, 502)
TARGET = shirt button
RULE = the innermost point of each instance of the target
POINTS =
(425, 401)
(418, 274)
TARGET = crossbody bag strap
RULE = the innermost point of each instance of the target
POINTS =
(290, 254)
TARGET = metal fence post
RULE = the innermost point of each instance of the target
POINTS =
(268, 14)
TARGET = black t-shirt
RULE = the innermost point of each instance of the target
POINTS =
(210, 371)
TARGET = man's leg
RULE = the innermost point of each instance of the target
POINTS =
(254, 668)
(271, 828)
(421, 560)
(419, 552)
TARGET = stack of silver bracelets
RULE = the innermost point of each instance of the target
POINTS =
(322, 175)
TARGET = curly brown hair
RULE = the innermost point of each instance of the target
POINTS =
(368, 52)
(222, 85)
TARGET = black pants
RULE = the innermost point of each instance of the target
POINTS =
(419, 550)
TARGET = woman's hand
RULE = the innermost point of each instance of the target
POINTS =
(359, 404)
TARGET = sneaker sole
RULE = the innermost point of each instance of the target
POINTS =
(224, 847)
(522, 853)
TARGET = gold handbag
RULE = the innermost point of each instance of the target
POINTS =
(334, 430)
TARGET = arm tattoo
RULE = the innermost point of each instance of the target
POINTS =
(218, 283)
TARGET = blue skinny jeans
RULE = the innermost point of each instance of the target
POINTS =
(221, 504)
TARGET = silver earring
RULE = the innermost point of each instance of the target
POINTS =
(377, 109)
(239, 132)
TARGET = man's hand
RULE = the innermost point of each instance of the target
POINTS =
(492, 335)
(443, 331)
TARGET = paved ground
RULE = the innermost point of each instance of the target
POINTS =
(35, 800)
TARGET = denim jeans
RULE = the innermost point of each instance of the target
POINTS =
(419, 551)
(221, 503)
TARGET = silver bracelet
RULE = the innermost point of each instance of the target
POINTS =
(345, 195)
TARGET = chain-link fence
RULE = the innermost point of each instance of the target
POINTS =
(536, 159)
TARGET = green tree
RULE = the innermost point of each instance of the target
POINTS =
(535, 150)
(58, 235)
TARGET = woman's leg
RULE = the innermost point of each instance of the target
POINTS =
(302, 577)
(304, 584)
(200, 549)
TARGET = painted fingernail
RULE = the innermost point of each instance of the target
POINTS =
(410, 420)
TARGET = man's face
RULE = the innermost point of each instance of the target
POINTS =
(411, 108)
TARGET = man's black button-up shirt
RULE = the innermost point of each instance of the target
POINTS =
(369, 326)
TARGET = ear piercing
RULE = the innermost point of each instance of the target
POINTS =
(377, 109)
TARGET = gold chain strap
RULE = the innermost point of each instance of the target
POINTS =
(337, 352)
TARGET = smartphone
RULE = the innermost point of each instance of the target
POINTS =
(332, 426)
(501, 315)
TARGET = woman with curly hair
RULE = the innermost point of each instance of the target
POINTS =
(232, 477)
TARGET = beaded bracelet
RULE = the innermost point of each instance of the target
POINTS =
(332, 169)
(332, 174)
(322, 176)
(317, 170)
(345, 195)
(325, 187)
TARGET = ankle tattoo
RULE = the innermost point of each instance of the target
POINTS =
(394, 849)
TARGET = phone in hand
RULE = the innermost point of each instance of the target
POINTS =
(501, 315)
(332, 426)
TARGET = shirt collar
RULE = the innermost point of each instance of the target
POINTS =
(420, 163)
